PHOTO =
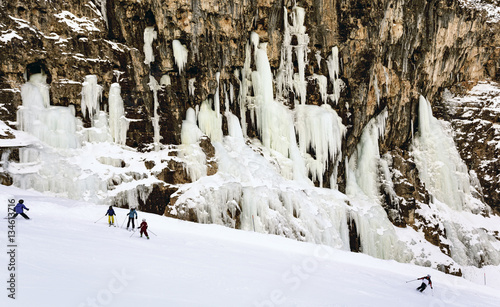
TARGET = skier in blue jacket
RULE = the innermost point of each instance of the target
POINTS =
(111, 214)
(131, 215)
(19, 210)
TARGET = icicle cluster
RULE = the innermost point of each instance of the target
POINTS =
(149, 36)
(180, 54)
(91, 96)
(53, 125)
(64, 167)
(118, 124)
(321, 129)
(334, 72)
(287, 80)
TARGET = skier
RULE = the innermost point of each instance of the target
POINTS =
(131, 217)
(144, 227)
(19, 210)
(426, 280)
(111, 214)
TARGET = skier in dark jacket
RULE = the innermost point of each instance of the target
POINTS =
(111, 214)
(144, 227)
(131, 215)
(19, 210)
(426, 280)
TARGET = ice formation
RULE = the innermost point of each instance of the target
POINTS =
(246, 186)
(189, 150)
(245, 84)
(217, 95)
(149, 36)
(180, 54)
(439, 164)
(154, 86)
(334, 72)
(321, 129)
(272, 118)
(364, 163)
(53, 125)
(210, 121)
(377, 234)
(73, 161)
(452, 206)
(91, 96)
(118, 123)
(287, 80)
(191, 86)
(233, 126)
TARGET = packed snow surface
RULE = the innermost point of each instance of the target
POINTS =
(68, 256)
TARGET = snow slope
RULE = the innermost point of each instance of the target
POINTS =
(65, 259)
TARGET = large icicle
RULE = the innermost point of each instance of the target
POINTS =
(273, 119)
(334, 72)
(91, 96)
(301, 50)
(149, 36)
(245, 85)
(118, 124)
(217, 95)
(180, 54)
(154, 86)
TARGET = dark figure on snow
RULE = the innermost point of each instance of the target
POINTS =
(144, 227)
(131, 215)
(426, 280)
(18, 209)
(111, 214)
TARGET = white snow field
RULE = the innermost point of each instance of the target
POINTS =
(65, 258)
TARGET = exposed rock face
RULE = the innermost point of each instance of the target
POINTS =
(391, 52)
(477, 135)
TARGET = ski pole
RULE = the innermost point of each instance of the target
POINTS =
(411, 280)
(99, 219)
(152, 232)
(123, 222)
(133, 233)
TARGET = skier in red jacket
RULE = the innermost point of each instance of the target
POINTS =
(144, 227)
(426, 280)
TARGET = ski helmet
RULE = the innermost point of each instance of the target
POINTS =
(143, 220)
(21, 201)
(428, 276)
